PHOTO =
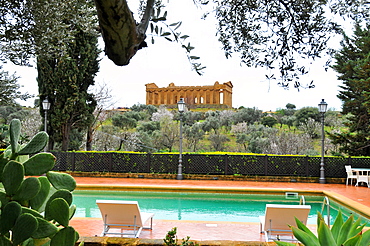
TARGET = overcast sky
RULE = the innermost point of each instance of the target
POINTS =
(166, 62)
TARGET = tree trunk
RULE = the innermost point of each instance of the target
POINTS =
(89, 138)
(121, 34)
(66, 128)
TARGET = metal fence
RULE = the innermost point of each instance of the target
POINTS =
(263, 165)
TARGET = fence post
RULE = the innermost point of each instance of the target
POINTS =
(306, 160)
(73, 161)
(266, 163)
(226, 164)
(110, 161)
(148, 161)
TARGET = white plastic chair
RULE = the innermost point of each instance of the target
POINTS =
(123, 215)
(278, 217)
(363, 177)
(350, 174)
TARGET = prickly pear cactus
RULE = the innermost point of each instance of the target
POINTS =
(35, 203)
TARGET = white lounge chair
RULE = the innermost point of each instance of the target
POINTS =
(123, 215)
(350, 174)
(278, 217)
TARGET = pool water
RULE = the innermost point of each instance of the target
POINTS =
(199, 206)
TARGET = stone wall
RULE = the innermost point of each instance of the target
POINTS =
(114, 241)
(293, 179)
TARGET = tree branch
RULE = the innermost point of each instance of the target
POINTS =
(121, 34)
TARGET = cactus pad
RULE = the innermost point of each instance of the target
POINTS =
(59, 211)
(28, 189)
(15, 132)
(9, 216)
(66, 237)
(61, 180)
(40, 199)
(45, 229)
(39, 164)
(13, 175)
(37, 144)
(24, 227)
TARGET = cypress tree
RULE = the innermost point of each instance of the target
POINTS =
(353, 65)
(65, 82)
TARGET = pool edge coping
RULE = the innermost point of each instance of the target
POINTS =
(343, 200)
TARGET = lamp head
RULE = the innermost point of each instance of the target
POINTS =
(181, 105)
(46, 104)
(323, 106)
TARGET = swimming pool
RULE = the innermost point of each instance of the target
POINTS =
(200, 206)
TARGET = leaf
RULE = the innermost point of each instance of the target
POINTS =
(365, 238)
(194, 57)
(178, 25)
(304, 237)
(304, 228)
(344, 231)
(184, 37)
(165, 34)
(335, 229)
(353, 241)
(325, 236)
(281, 243)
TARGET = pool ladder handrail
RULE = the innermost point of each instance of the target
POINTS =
(327, 203)
(302, 201)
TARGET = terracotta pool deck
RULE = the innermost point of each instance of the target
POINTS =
(358, 197)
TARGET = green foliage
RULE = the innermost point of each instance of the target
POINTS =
(248, 115)
(352, 63)
(149, 109)
(73, 106)
(124, 120)
(171, 239)
(9, 89)
(269, 121)
(34, 209)
(172, 34)
(304, 114)
(346, 233)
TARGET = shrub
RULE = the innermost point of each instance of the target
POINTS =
(346, 233)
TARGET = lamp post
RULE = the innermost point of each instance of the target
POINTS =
(46, 107)
(322, 109)
(181, 108)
